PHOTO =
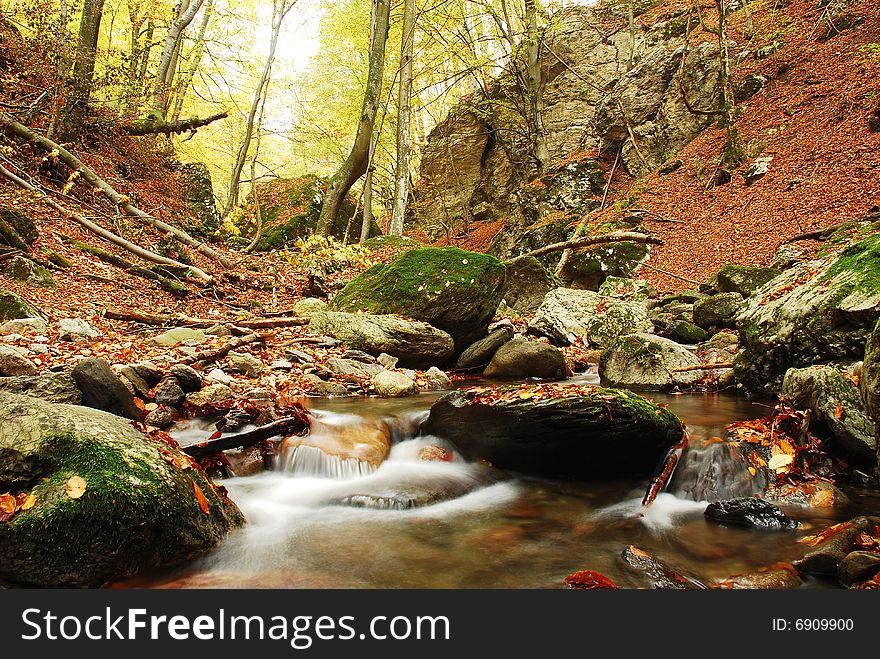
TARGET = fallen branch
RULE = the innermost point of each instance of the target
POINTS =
(627, 236)
(180, 320)
(664, 474)
(702, 367)
(102, 232)
(282, 427)
(214, 354)
(152, 127)
(166, 284)
(122, 202)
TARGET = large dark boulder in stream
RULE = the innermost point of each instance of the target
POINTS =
(108, 500)
(815, 313)
(453, 290)
(521, 358)
(750, 512)
(574, 432)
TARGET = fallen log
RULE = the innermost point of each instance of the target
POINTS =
(166, 284)
(702, 367)
(153, 127)
(109, 236)
(121, 201)
(282, 427)
(664, 474)
(181, 320)
(624, 237)
(213, 354)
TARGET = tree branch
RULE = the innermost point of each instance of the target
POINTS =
(627, 236)
(153, 127)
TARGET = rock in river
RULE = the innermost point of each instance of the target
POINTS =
(647, 361)
(138, 510)
(750, 512)
(586, 433)
(521, 358)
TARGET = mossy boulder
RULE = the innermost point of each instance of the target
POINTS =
(744, 280)
(583, 433)
(589, 268)
(139, 509)
(527, 283)
(815, 313)
(392, 242)
(451, 289)
(290, 209)
(14, 306)
(17, 229)
(717, 310)
(625, 288)
(647, 361)
(27, 272)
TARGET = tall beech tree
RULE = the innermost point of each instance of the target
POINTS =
(186, 12)
(76, 108)
(404, 119)
(358, 159)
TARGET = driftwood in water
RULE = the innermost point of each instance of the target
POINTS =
(624, 237)
(151, 127)
(282, 427)
(664, 474)
(214, 354)
(181, 320)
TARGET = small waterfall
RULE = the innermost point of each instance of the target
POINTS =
(312, 461)
(715, 471)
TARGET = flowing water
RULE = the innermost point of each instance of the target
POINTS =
(319, 521)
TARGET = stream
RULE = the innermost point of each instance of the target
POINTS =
(317, 521)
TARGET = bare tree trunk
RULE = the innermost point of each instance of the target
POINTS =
(196, 55)
(63, 64)
(357, 162)
(159, 105)
(734, 152)
(536, 103)
(280, 10)
(257, 129)
(76, 109)
(404, 120)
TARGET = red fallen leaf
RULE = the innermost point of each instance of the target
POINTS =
(813, 540)
(589, 580)
(215, 435)
(8, 504)
(201, 498)
(838, 412)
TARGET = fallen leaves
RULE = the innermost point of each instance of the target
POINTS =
(589, 580)
(201, 498)
(813, 540)
(527, 391)
(13, 503)
(75, 487)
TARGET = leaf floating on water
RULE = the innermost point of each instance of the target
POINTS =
(76, 487)
(201, 498)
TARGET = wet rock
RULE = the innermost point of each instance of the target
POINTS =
(812, 494)
(657, 574)
(76, 330)
(480, 353)
(586, 434)
(835, 407)
(869, 382)
(359, 356)
(245, 363)
(717, 310)
(818, 312)
(825, 557)
(178, 335)
(389, 384)
(521, 358)
(102, 389)
(744, 280)
(168, 392)
(318, 387)
(23, 326)
(308, 306)
(50, 387)
(137, 513)
(451, 289)
(213, 394)
(161, 417)
(566, 314)
(29, 273)
(362, 440)
(858, 566)
(416, 344)
(783, 579)
(648, 361)
(435, 454)
(246, 462)
(437, 379)
(715, 471)
(388, 362)
(187, 377)
(14, 306)
(527, 283)
(400, 491)
(749, 512)
(12, 363)
(339, 366)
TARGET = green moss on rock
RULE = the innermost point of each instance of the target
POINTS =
(14, 306)
(453, 290)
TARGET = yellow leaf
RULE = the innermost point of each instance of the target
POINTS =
(29, 502)
(780, 462)
(76, 487)
(753, 471)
